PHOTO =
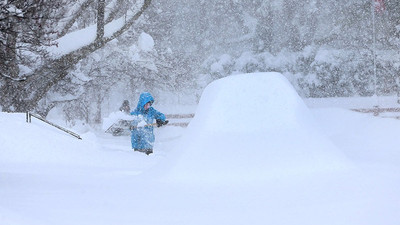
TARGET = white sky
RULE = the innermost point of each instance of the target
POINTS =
(254, 154)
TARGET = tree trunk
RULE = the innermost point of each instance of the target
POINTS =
(100, 19)
(10, 52)
(24, 95)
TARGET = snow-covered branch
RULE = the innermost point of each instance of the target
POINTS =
(86, 38)
(125, 22)
(72, 14)
(112, 9)
(13, 78)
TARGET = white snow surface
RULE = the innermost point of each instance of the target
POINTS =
(146, 42)
(253, 154)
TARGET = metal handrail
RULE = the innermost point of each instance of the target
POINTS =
(29, 120)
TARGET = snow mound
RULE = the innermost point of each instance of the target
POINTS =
(40, 144)
(253, 127)
(146, 42)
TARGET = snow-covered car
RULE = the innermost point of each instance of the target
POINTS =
(258, 128)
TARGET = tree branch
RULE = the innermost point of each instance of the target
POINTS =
(112, 10)
(129, 22)
(78, 8)
(57, 69)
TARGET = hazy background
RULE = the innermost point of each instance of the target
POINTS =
(324, 47)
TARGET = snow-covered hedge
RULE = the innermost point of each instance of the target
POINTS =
(318, 71)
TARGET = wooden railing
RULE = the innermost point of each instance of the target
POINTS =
(29, 120)
(179, 116)
(376, 111)
(122, 126)
(180, 120)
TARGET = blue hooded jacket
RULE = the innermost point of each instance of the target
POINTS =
(143, 137)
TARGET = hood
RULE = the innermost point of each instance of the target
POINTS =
(144, 98)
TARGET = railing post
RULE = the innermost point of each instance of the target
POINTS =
(376, 110)
(28, 117)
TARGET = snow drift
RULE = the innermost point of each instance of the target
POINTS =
(48, 177)
(257, 128)
(37, 143)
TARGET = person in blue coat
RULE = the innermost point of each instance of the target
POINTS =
(142, 136)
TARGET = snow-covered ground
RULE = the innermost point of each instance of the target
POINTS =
(253, 154)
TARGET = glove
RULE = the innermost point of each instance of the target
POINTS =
(160, 122)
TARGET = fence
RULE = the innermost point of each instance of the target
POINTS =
(389, 112)
(181, 120)
(122, 127)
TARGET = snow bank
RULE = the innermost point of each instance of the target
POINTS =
(37, 143)
(100, 180)
(252, 127)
